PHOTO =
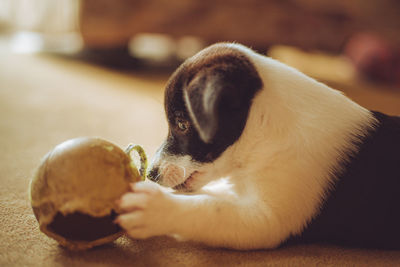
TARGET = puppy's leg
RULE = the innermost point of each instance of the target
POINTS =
(216, 220)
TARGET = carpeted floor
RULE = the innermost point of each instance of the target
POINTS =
(45, 100)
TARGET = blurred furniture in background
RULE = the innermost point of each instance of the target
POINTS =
(172, 30)
(308, 24)
(129, 34)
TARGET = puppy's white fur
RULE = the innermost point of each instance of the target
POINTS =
(272, 179)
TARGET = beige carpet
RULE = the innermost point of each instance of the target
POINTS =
(46, 100)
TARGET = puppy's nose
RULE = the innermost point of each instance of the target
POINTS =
(154, 174)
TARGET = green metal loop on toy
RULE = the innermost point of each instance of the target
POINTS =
(143, 158)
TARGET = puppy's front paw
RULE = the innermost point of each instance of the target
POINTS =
(148, 211)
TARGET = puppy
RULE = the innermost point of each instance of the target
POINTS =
(259, 154)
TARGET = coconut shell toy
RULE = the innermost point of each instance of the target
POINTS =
(74, 191)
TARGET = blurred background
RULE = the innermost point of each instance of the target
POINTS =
(132, 34)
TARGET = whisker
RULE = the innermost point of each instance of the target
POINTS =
(157, 179)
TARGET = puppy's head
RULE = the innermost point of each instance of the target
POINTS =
(207, 101)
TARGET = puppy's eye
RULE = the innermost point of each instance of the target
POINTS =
(183, 125)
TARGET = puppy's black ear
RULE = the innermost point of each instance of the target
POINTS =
(209, 97)
(201, 97)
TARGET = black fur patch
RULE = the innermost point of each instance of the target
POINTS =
(82, 227)
(363, 209)
(240, 82)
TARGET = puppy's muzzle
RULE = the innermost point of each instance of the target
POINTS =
(168, 175)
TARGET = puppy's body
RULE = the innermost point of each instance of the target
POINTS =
(286, 157)
(362, 209)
